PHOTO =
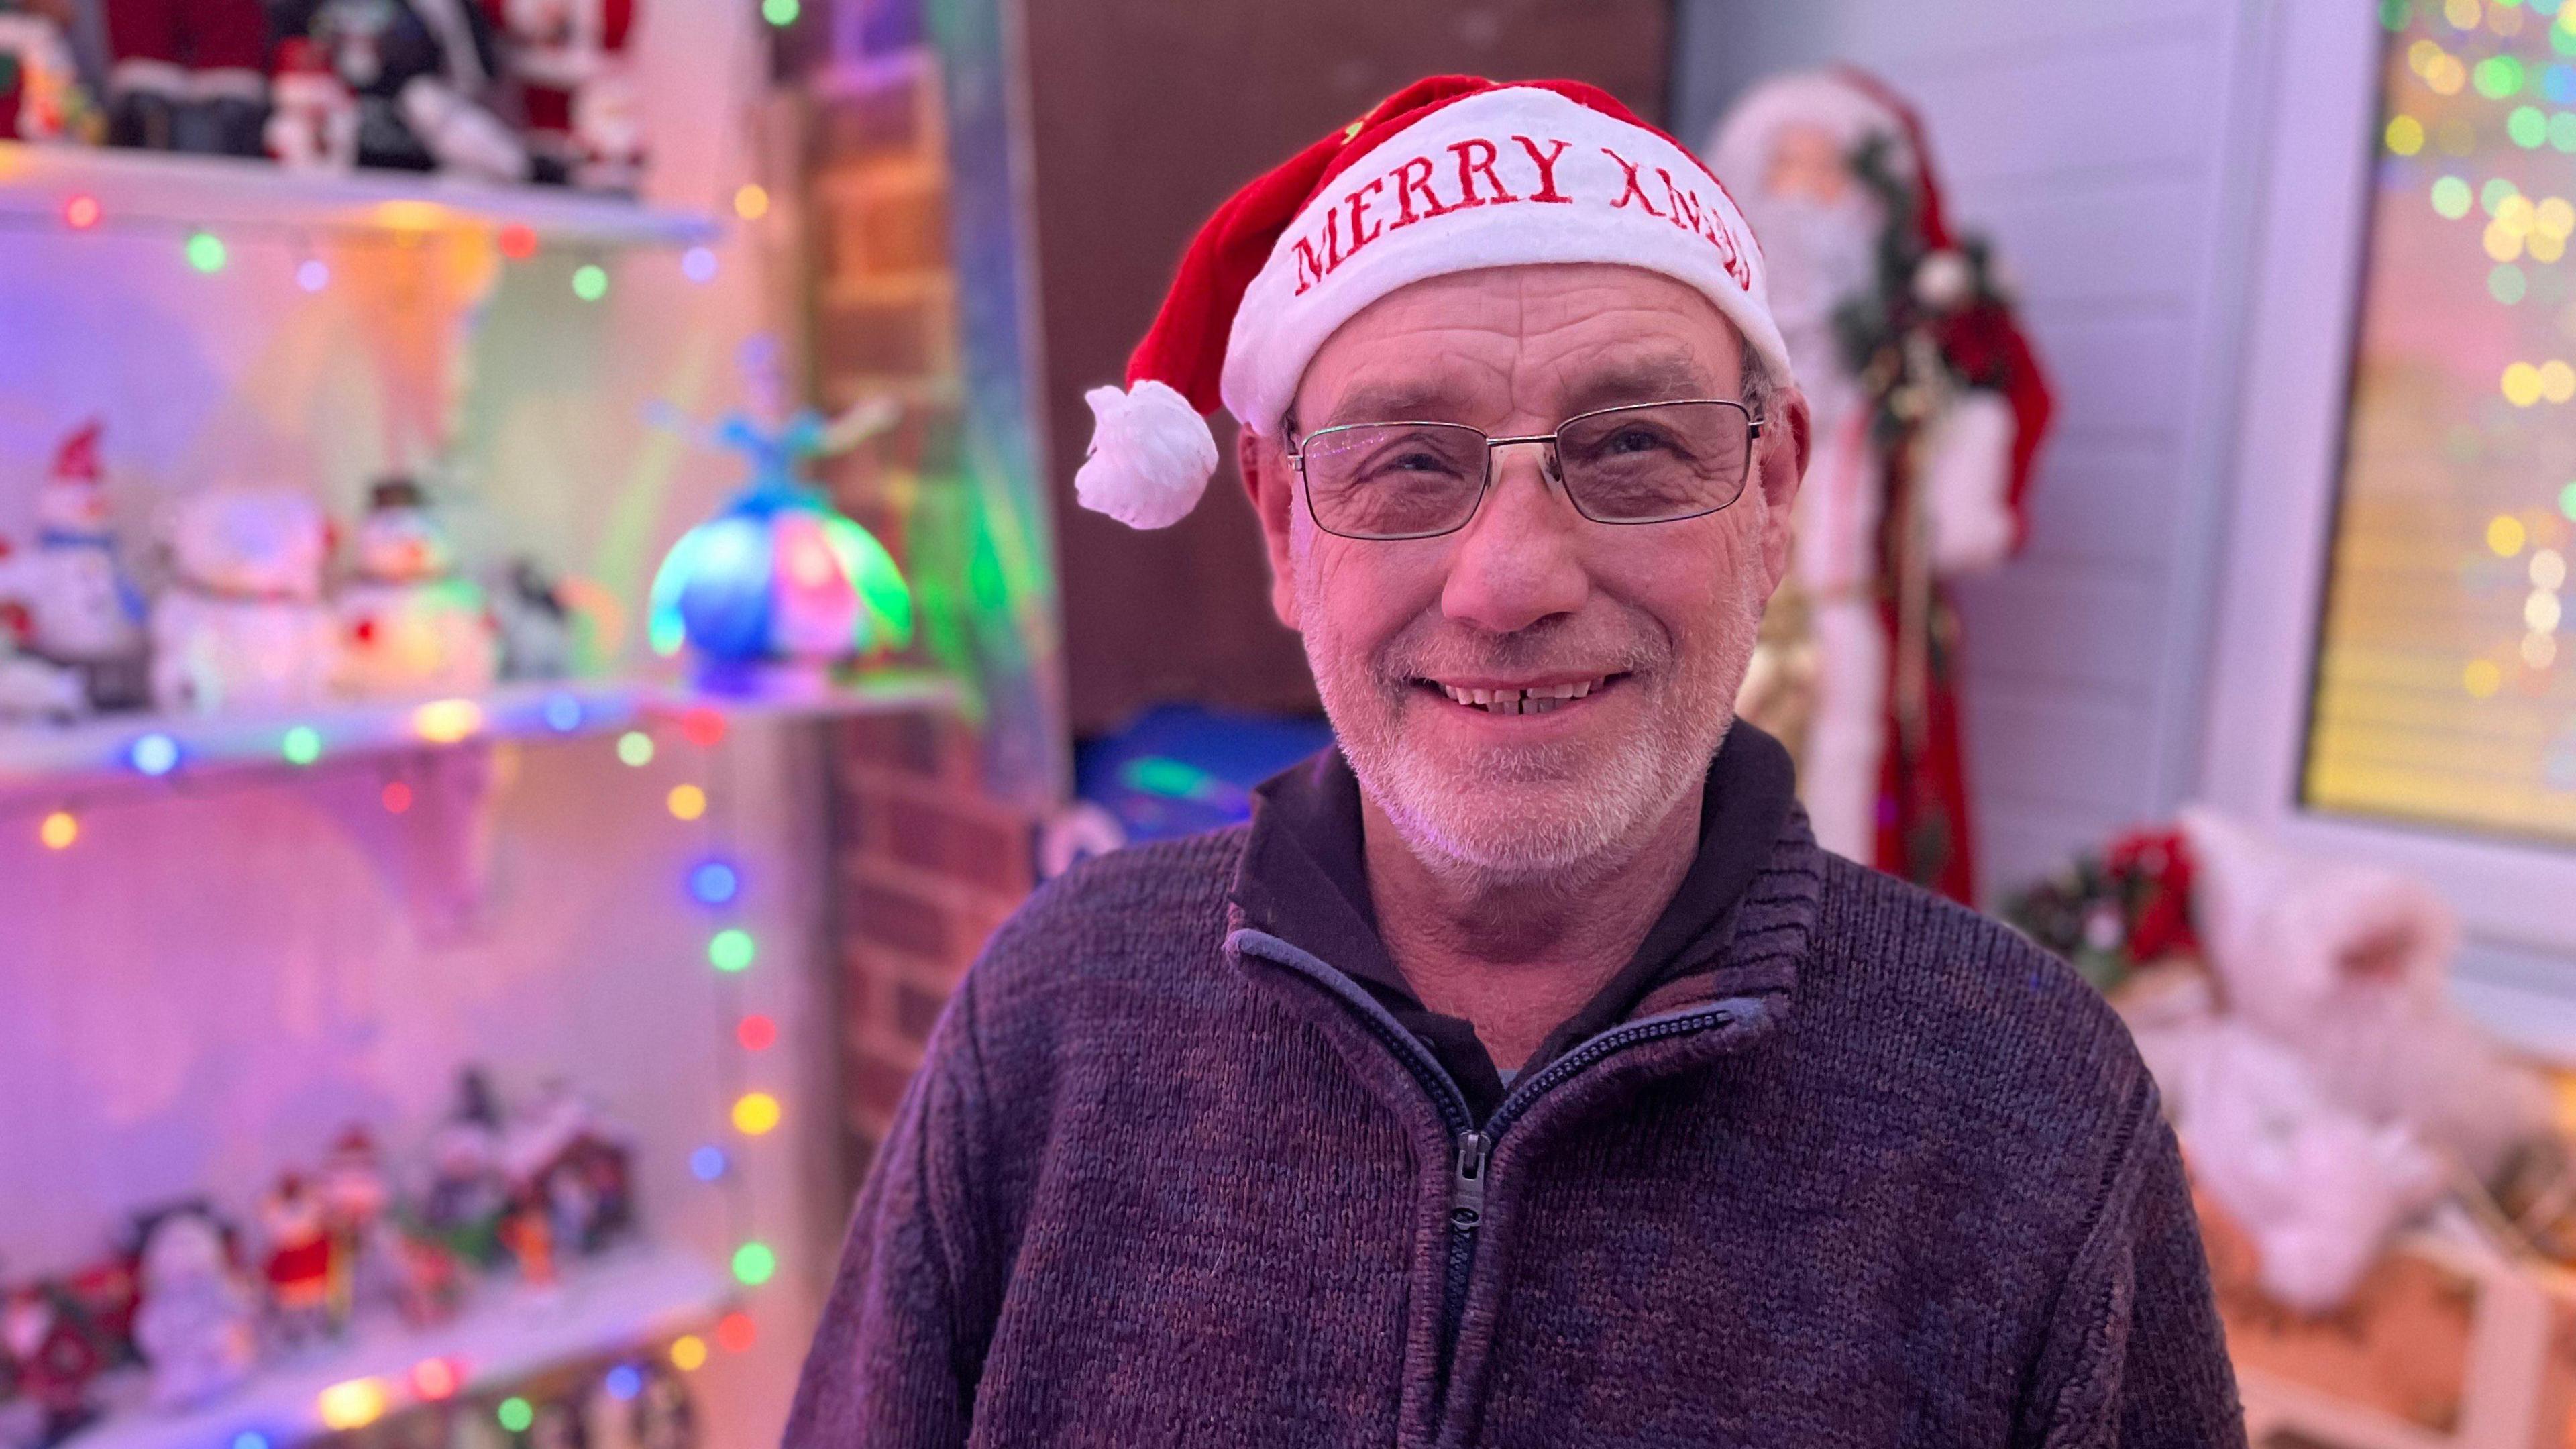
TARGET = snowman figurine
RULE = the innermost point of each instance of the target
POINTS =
(409, 624)
(82, 612)
(196, 1326)
(243, 625)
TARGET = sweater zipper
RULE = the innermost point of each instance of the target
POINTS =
(1472, 1146)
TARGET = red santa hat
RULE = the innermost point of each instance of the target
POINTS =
(1450, 174)
(76, 461)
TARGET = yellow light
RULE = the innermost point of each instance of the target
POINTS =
(2505, 535)
(2481, 678)
(352, 1405)
(688, 1353)
(410, 215)
(2502, 242)
(2546, 247)
(2557, 381)
(445, 721)
(2522, 389)
(755, 1114)
(751, 202)
(2405, 135)
(2463, 14)
(59, 830)
(2446, 75)
(688, 802)
(2422, 54)
(2554, 217)
(2516, 214)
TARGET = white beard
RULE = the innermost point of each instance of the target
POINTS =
(1821, 255)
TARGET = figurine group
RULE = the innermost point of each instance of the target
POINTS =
(502, 90)
(194, 1302)
(251, 612)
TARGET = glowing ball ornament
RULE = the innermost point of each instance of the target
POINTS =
(780, 588)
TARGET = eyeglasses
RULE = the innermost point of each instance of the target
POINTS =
(1644, 463)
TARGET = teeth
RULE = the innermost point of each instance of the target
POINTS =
(1536, 700)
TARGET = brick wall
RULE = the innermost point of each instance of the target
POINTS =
(927, 857)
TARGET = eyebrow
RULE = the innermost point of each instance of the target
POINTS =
(1658, 377)
(1395, 402)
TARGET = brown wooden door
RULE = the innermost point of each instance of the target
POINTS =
(1145, 115)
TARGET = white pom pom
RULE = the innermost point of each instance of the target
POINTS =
(1151, 456)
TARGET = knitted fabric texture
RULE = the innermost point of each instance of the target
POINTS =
(1887, 1175)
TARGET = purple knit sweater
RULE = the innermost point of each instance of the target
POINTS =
(1884, 1174)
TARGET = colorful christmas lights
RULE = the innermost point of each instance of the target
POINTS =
(58, 830)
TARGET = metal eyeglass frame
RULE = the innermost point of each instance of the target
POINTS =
(1552, 467)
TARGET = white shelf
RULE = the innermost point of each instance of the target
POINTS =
(154, 187)
(507, 1334)
(39, 758)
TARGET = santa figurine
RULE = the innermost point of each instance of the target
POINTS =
(422, 74)
(40, 92)
(189, 75)
(80, 609)
(313, 124)
(410, 624)
(196, 1325)
(243, 624)
(367, 1268)
(51, 1349)
(567, 60)
(1928, 407)
(299, 1265)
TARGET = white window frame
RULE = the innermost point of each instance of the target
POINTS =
(2315, 182)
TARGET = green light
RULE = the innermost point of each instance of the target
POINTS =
(590, 281)
(754, 1264)
(2567, 500)
(206, 251)
(301, 745)
(2562, 130)
(2499, 76)
(636, 748)
(2507, 284)
(2527, 126)
(2392, 14)
(2493, 194)
(2451, 198)
(2562, 40)
(515, 1414)
(781, 13)
(731, 950)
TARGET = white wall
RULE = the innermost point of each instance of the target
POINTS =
(213, 979)
(2102, 144)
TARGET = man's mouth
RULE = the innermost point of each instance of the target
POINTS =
(1524, 699)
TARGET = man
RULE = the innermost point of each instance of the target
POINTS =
(1523, 1074)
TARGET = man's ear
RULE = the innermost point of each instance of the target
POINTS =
(1780, 462)
(1272, 482)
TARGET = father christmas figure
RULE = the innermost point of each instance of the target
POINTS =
(1928, 407)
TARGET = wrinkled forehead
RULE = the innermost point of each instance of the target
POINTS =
(1484, 346)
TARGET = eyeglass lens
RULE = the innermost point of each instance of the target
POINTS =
(1626, 465)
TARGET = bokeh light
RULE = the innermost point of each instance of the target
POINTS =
(396, 797)
(708, 1163)
(434, 1379)
(736, 1332)
(623, 1382)
(563, 713)
(635, 748)
(698, 264)
(353, 1404)
(713, 882)
(2406, 135)
(687, 802)
(58, 830)
(751, 202)
(2451, 198)
(206, 252)
(2507, 284)
(754, 1264)
(731, 950)
(2548, 569)
(515, 1414)
(154, 754)
(81, 212)
(757, 1033)
(781, 13)
(2521, 385)
(755, 1114)
(2505, 535)
(301, 745)
(313, 274)
(2481, 678)
(2526, 126)
(590, 281)
(688, 1353)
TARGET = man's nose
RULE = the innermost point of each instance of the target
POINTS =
(1518, 560)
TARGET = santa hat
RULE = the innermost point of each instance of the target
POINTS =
(76, 461)
(1851, 105)
(1451, 174)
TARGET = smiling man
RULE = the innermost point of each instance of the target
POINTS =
(1523, 1074)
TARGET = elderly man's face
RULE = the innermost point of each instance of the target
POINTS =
(1653, 623)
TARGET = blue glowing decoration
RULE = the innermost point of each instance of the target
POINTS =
(563, 713)
(155, 754)
(698, 264)
(707, 1164)
(714, 882)
(250, 1439)
(780, 586)
(623, 1382)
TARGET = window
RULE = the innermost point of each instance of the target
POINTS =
(2444, 686)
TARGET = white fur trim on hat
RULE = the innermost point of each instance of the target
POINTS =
(1151, 456)
(1514, 176)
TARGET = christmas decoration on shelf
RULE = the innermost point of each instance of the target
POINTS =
(188, 75)
(79, 607)
(567, 62)
(781, 588)
(57, 1336)
(243, 624)
(314, 122)
(421, 71)
(196, 1325)
(40, 91)
(2292, 1010)
(1927, 408)
(410, 624)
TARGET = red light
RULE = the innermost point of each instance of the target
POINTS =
(518, 241)
(397, 797)
(757, 1033)
(81, 212)
(703, 726)
(735, 1332)
(433, 1378)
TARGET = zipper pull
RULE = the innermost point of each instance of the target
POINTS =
(1467, 1190)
